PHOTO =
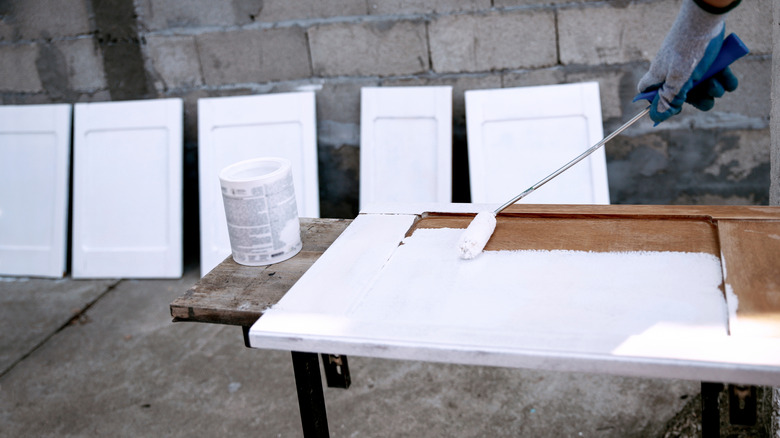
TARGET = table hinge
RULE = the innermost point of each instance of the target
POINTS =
(336, 370)
(743, 408)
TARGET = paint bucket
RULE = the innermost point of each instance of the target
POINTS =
(261, 211)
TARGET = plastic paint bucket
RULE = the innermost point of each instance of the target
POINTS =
(261, 211)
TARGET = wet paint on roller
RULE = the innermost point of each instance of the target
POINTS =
(477, 234)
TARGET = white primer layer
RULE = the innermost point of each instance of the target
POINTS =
(598, 297)
(648, 314)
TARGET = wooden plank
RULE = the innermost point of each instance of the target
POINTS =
(709, 212)
(713, 212)
(591, 234)
(751, 263)
(235, 294)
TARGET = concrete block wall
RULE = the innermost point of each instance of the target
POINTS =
(89, 50)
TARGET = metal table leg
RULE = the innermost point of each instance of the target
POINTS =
(710, 409)
(311, 399)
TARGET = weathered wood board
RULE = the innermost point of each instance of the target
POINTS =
(235, 294)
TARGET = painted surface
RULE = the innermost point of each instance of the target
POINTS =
(518, 136)
(34, 171)
(406, 144)
(585, 295)
(127, 189)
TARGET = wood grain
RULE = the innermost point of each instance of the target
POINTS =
(235, 294)
(610, 234)
(751, 259)
(710, 212)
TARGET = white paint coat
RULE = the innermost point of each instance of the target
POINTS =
(405, 144)
(34, 171)
(127, 189)
(652, 314)
(517, 136)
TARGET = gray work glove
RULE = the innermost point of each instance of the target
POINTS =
(687, 52)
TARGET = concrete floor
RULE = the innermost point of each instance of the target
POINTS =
(102, 358)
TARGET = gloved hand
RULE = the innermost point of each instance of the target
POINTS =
(687, 52)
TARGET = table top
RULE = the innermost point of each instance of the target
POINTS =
(234, 294)
(392, 286)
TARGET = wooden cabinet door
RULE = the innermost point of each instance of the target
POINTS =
(34, 173)
(405, 144)
(518, 136)
(127, 189)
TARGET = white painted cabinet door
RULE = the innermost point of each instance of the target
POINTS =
(233, 129)
(405, 144)
(517, 136)
(127, 189)
(34, 174)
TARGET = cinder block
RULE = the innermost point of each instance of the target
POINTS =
(609, 83)
(338, 112)
(50, 18)
(94, 96)
(370, 48)
(24, 99)
(459, 83)
(339, 100)
(6, 31)
(281, 10)
(494, 41)
(603, 34)
(514, 3)
(18, 72)
(385, 7)
(165, 14)
(173, 61)
(253, 56)
(752, 97)
(739, 154)
(752, 21)
(85, 64)
(689, 167)
(530, 78)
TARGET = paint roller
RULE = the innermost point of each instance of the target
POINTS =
(479, 231)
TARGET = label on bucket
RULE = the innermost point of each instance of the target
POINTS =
(262, 221)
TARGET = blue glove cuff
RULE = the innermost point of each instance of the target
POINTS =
(714, 9)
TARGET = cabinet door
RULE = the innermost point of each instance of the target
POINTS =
(127, 189)
(232, 129)
(34, 173)
(517, 136)
(405, 144)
